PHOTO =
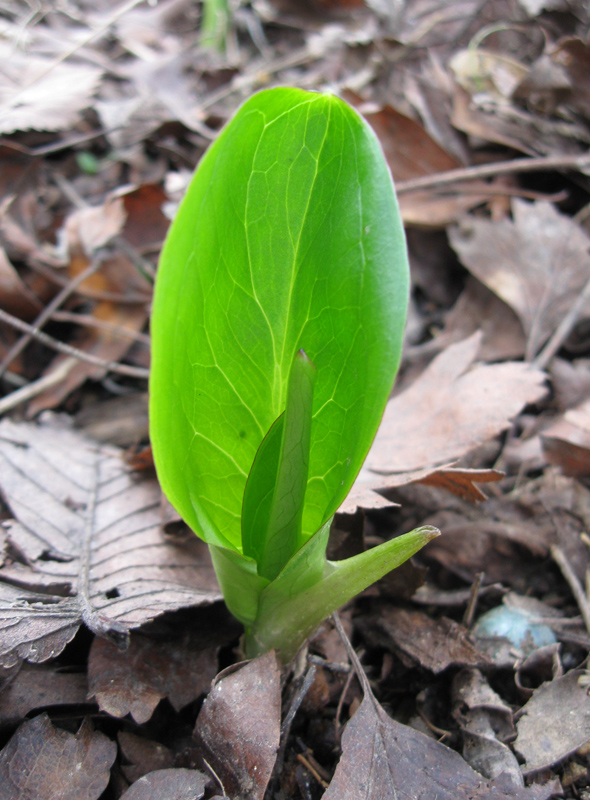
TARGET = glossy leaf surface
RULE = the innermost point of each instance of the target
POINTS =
(288, 238)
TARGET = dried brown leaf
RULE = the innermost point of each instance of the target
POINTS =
(555, 722)
(15, 297)
(450, 409)
(174, 784)
(372, 491)
(37, 686)
(538, 263)
(238, 728)
(87, 229)
(382, 758)
(40, 94)
(135, 680)
(89, 542)
(566, 443)
(478, 308)
(433, 644)
(573, 55)
(486, 724)
(41, 762)
(143, 754)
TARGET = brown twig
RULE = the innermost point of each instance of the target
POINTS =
(310, 768)
(473, 598)
(131, 298)
(32, 330)
(88, 321)
(541, 164)
(30, 390)
(564, 329)
(110, 366)
(578, 592)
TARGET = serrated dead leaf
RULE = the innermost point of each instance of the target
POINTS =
(89, 542)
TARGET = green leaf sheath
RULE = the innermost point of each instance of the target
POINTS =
(291, 609)
(275, 490)
(289, 238)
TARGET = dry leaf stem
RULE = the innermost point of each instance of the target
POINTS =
(560, 558)
(61, 347)
(543, 163)
(32, 331)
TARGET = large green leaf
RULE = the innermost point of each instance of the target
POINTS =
(288, 238)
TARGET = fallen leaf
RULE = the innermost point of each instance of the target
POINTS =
(573, 459)
(419, 639)
(45, 763)
(570, 382)
(538, 263)
(486, 724)
(88, 537)
(134, 681)
(143, 754)
(238, 727)
(371, 491)
(573, 55)
(40, 94)
(15, 296)
(478, 308)
(117, 322)
(451, 408)
(382, 758)
(87, 229)
(566, 443)
(174, 784)
(555, 722)
(40, 686)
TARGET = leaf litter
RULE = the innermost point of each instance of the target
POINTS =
(88, 546)
(102, 113)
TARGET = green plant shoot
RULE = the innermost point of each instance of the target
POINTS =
(277, 328)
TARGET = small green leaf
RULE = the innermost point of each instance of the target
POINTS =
(293, 605)
(275, 490)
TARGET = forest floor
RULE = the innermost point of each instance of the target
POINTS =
(467, 674)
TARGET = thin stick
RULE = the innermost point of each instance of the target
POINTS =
(473, 597)
(564, 329)
(110, 366)
(340, 705)
(32, 330)
(541, 164)
(310, 768)
(87, 320)
(35, 388)
(578, 592)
